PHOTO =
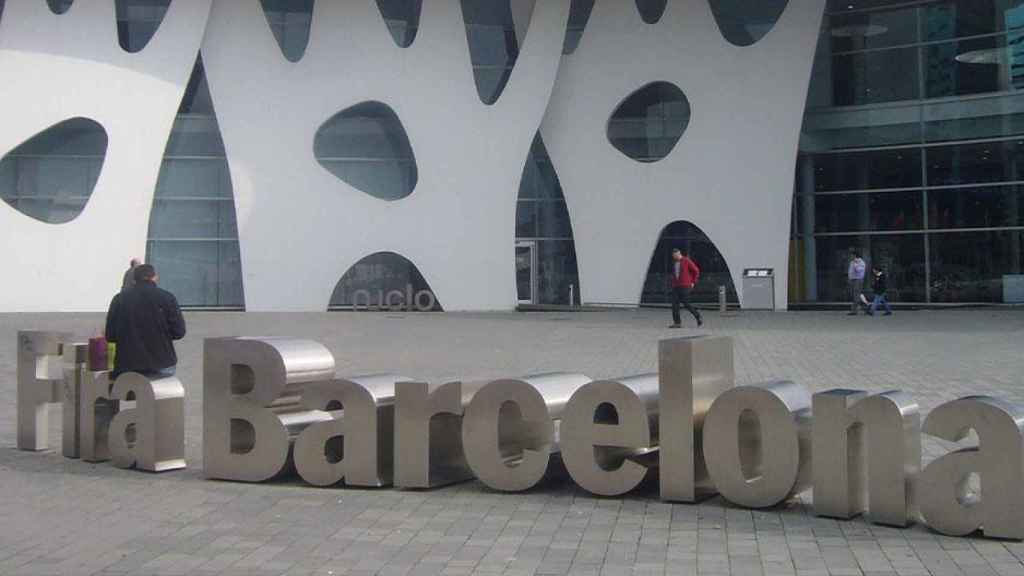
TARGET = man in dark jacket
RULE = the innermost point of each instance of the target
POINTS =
(143, 321)
(685, 275)
(879, 285)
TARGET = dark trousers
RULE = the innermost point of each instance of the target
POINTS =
(681, 296)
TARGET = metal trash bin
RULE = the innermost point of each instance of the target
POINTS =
(759, 289)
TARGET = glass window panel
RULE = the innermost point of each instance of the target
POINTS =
(898, 168)
(873, 77)
(990, 207)
(647, 125)
(975, 66)
(526, 219)
(958, 18)
(493, 48)
(579, 14)
(206, 178)
(995, 116)
(900, 255)
(868, 212)
(969, 266)
(192, 219)
(402, 18)
(852, 31)
(976, 163)
(290, 20)
(199, 273)
(553, 220)
(556, 270)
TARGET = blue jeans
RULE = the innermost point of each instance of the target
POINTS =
(880, 299)
(161, 373)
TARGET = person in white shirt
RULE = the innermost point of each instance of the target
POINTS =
(855, 276)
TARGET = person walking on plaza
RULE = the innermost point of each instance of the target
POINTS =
(855, 276)
(144, 321)
(129, 275)
(879, 285)
(685, 274)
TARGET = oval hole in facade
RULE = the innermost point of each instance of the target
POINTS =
(138, 21)
(743, 22)
(651, 10)
(51, 176)
(367, 147)
(289, 20)
(493, 46)
(648, 124)
(579, 14)
(402, 18)
(369, 282)
(59, 6)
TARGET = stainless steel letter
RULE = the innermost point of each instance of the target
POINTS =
(692, 373)
(251, 403)
(603, 418)
(998, 460)
(95, 412)
(428, 435)
(519, 459)
(887, 426)
(158, 420)
(40, 382)
(759, 463)
(356, 445)
(76, 372)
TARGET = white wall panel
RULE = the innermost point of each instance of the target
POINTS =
(732, 172)
(56, 67)
(300, 227)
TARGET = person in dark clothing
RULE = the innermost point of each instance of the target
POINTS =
(879, 285)
(143, 321)
(685, 275)
(129, 275)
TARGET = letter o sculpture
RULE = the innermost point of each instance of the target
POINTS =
(782, 445)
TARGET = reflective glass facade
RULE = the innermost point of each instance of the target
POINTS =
(912, 149)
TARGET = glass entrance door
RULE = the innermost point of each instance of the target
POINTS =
(526, 272)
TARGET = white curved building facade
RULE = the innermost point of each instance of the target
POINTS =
(468, 155)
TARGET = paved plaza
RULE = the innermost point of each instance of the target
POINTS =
(61, 516)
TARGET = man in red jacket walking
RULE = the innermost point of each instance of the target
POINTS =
(685, 275)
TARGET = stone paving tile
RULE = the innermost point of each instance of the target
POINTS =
(60, 516)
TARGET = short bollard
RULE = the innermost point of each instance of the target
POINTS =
(722, 305)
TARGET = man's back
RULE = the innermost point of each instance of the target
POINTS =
(143, 321)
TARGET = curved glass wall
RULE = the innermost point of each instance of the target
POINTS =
(138, 21)
(543, 229)
(714, 271)
(384, 280)
(193, 233)
(912, 151)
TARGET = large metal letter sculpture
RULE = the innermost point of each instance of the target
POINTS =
(76, 373)
(888, 426)
(692, 372)
(96, 410)
(605, 427)
(356, 444)
(508, 433)
(998, 460)
(252, 403)
(428, 435)
(759, 465)
(158, 421)
(40, 377)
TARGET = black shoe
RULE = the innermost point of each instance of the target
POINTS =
(887, 314)
(851, 313)
(869, 312)
(700, 322)
(674, 326)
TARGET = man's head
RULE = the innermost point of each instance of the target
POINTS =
(134, 262)
(877, 270)
(145, 273)
(677, 254)
(854, 253)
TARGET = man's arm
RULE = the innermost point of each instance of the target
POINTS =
(175, 321)
(110, 331)
(694, 269)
